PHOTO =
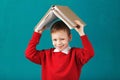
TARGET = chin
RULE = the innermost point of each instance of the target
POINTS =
(60, 49)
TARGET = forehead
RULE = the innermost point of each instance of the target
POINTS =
(60, 33)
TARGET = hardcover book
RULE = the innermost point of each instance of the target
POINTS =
(56, 12)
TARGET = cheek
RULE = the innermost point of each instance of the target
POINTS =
(65, 42)
(53, 43)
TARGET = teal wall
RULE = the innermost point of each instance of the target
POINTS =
(18, 18)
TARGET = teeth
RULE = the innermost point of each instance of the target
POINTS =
(61, 46)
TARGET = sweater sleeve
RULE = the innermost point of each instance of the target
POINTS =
(31, 53)
(87, 52)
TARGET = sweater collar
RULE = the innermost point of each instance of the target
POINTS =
(65, 51)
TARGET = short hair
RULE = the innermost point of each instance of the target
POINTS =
(60, 25)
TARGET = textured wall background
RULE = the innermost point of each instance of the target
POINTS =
(18, 18)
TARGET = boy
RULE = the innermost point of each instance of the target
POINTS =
(61, 62)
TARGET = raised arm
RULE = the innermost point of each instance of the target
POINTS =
(87, 52)
(31, 53)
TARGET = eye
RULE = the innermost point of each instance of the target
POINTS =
(54, 39)
(62, 39)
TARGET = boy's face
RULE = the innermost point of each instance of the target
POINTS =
(60, 39)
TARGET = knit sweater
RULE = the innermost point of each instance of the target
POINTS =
(57, 65)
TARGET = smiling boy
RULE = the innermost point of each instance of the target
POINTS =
(61, 62)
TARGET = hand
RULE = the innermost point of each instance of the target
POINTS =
(41, 30)
(79, 28)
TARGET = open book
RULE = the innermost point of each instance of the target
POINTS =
(63, 13)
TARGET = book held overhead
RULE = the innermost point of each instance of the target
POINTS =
(56, 12)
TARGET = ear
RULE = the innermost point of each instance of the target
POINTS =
(70, 37)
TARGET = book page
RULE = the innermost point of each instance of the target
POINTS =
(61, 17)
(48, 18)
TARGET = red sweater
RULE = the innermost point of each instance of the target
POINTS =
(57, 65)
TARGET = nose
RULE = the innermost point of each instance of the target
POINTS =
(59, 42)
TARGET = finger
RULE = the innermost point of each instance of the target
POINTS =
(79, 23)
